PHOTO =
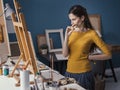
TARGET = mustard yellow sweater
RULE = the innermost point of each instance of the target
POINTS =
(79, 44)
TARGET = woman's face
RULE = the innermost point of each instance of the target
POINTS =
(77, 21)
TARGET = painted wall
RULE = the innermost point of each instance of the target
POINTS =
(53, 14)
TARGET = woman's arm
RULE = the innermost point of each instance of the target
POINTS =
(106, 52)
(99, 57)
(68, 32)
(65, 47)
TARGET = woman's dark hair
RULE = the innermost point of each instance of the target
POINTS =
(80, 11)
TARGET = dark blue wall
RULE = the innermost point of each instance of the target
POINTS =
(52, 14)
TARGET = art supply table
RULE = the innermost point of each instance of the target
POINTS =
(8, 83)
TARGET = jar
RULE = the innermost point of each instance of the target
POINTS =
(5, 70)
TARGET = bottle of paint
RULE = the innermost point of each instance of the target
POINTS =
(5, 70)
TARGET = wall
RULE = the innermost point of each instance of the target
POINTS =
(52, 14)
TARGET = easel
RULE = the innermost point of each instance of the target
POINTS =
(27, 54)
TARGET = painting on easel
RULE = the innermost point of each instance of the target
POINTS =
(25, 44)
(4, 39)
(27, 54)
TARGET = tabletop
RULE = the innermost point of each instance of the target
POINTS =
(8, 83)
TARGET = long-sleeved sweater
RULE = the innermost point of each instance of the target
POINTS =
(79, 44)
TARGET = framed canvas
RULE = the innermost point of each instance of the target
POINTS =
(41, 39)
(4, 39)
(56, 35)
(96, 23)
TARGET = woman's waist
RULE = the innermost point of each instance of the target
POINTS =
(78, 67)
(79, 61)
(79, 58)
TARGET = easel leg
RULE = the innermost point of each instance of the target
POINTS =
(11, 75)
(112, 69)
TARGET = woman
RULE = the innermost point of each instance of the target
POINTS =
(79, 39)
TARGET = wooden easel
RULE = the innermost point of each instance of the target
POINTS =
(27, 54)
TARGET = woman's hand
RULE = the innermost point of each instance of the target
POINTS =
(69, 30)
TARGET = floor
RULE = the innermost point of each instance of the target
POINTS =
(110, 84)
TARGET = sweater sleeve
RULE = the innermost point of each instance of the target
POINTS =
(100, 43)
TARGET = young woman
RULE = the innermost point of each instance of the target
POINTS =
(79, 39)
